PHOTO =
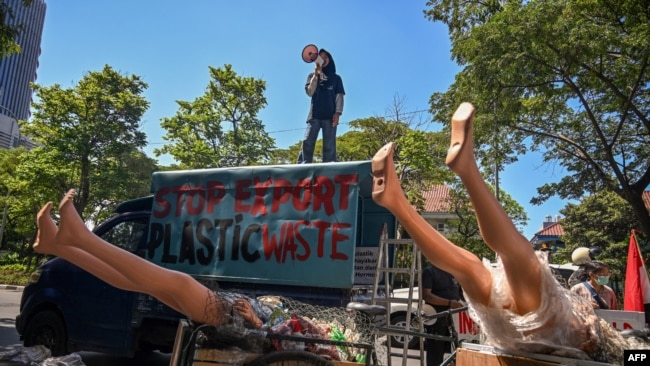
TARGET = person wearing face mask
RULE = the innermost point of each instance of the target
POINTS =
(325, 87)
(595, 287)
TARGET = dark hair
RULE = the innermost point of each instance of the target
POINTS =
(581, 274)
(594, 266)
(330, 69)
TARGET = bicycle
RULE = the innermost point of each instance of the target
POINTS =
(452, 337)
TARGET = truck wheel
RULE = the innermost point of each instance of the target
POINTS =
(290, 358)
(47, 328)
(397, 340)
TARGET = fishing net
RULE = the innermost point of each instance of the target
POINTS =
(334, 333)
(342, 325)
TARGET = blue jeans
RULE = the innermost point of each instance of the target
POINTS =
(311, 135)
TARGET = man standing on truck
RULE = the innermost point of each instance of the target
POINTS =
(325, 87)
(442, 291)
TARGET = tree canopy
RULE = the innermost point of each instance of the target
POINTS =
(567, 78)
(220, 128)
(601, 220)
(466, 233)
(9, 31)
(90, 140)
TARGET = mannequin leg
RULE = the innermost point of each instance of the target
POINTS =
(45, 245)
(521, 265)
(463, 265)
(190, 296)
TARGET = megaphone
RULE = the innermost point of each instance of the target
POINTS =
(310, 54)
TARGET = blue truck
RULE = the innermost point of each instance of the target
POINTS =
(309, 231)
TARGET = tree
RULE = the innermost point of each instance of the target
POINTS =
(9, 32)
(466, 233)
(570, 78)
(197, 135)
(30, 181)
(28, 187)
(89, 133)
(419, 154)
(129, 174)
(602, 220)
(288, 155)
(8, 162)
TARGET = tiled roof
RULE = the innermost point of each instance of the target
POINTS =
(436, 199)
(554, 229)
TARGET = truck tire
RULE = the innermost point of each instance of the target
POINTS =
(290, 358)
(47, 328)
(399, 320)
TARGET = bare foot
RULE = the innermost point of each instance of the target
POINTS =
(385, 182)
(71, 228)
(461, 150)
(45, 243)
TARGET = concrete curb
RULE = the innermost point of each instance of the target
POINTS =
(12, 287)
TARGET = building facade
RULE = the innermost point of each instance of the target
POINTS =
(550, 234)
(19, 70)
(437, 208)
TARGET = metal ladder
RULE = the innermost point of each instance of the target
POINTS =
(385, 272)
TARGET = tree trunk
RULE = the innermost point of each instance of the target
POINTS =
(640, 211)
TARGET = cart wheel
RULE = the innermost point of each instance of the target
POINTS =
(290, 358)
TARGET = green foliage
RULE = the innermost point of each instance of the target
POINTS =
(11, 259)
(8, 33)
(220, 128)
(601, 220)
(129, 175)
(466, 233)
(90, 139)
(14, 275)
(89, 132)
(19, 204)
(290, 155)
(419, 155)
(567, 78)
(13, 269)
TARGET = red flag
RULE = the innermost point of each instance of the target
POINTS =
(637, 285)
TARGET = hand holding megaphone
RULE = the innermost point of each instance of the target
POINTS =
(310, 54)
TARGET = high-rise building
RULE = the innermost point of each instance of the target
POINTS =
(19, 70)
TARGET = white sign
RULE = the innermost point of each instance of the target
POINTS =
(365, 265)
(622, 320)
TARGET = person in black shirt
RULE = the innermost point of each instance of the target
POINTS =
(440, 290)
(325, 87)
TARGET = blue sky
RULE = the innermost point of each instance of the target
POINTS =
(382, 49)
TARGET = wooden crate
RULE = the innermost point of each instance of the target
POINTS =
(465, 357)
(183, 333)
(214, 357)
(201, 357)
